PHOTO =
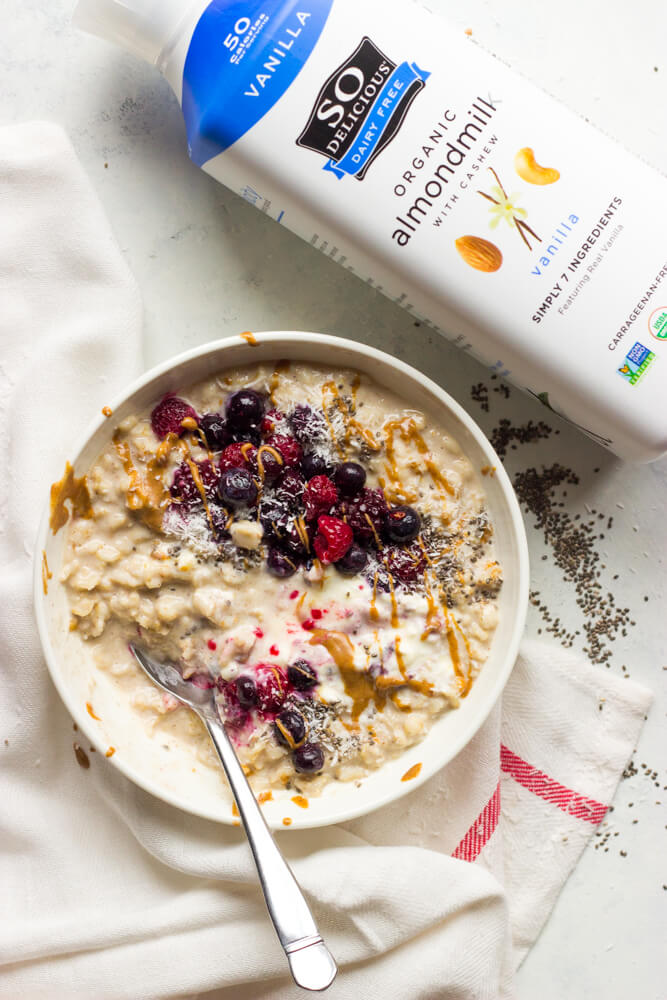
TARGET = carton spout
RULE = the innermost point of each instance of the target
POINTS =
(144, 27)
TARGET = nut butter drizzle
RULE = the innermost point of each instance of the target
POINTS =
(147, 496)
(409, 432)
(373, 612)
(72, 489)
(196, 476)
(451, 629)
(394, 605)
(332, 397)
(274, 382)
(46, 573)
(359, 686)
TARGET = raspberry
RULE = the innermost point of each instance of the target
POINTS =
(319, 495)
(272, 687)
(308, 425)
(270, 419)
(169, 414)
(334, 539)
(184, 488)
(367, 511)
(406, 565)
(289, 448)
(241, 455)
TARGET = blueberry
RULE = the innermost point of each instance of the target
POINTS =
(269, 466)
(251, 433)
(218, 518)
(214, 429)
(402, 524)
(246, 691)
(353, 562)
(301, 675)
(292, 543)
(309, 758)
(278, 564)
(290, 488)
(290, 728)
(237, 488)
(314, 465)
(274, 517)
(244, 409)
(349, 477)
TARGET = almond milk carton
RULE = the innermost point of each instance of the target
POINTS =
(399, 149)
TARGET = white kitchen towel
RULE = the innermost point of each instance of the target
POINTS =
(109, 893)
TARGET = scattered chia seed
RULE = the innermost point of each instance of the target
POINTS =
(572, 540)
(506, 436)
(480, 394)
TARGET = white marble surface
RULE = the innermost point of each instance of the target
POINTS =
(210, 265)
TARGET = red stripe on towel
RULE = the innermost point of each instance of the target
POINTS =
(481, 830)
(550, 790)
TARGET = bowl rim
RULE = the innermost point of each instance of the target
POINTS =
(304, 338)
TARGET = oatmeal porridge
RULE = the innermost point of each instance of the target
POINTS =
(299, 541)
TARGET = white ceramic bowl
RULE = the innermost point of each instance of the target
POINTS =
(70, 662)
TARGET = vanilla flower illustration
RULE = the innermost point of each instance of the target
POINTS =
(503, 206)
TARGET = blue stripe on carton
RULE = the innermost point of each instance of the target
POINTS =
(243, 56)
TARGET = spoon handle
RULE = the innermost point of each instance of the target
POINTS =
(311, 963)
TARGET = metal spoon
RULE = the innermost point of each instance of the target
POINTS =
(310, 961)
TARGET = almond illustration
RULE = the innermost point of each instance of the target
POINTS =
(479, 253)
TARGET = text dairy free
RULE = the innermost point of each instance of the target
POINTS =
(397, 148)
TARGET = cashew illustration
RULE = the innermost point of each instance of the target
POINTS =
(529, 169)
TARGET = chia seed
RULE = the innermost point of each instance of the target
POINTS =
(506, 436)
